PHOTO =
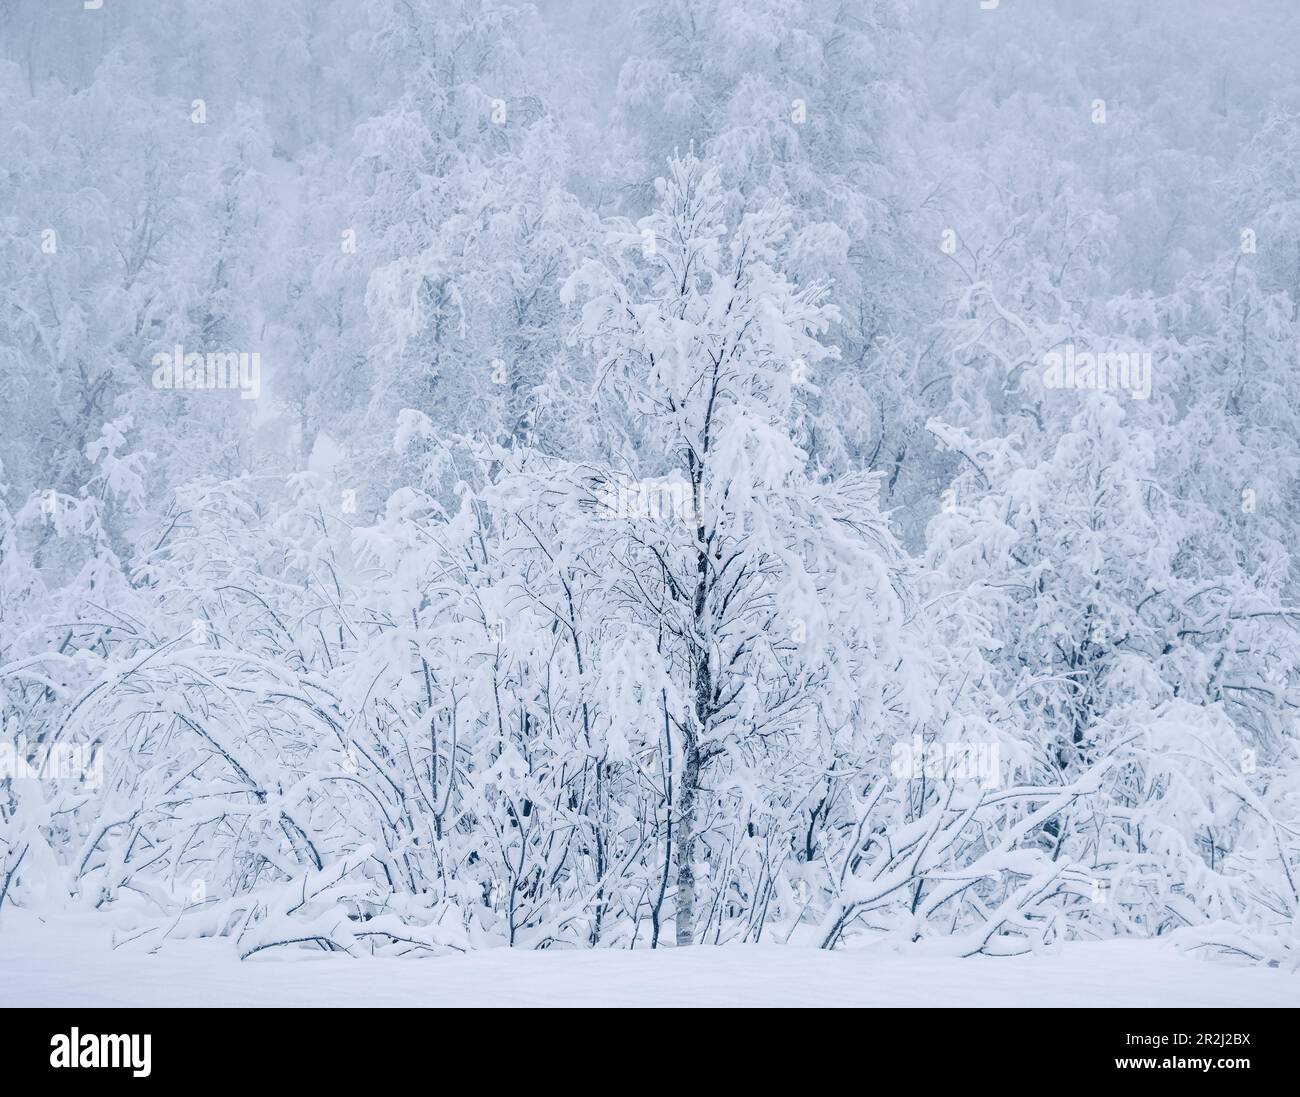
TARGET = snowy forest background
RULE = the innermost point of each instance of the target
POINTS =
(699, 471)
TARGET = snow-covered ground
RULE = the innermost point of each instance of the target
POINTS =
(67, 964)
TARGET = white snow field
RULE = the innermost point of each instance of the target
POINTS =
(67, 964)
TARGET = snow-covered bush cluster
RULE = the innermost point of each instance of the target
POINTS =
(716, 470)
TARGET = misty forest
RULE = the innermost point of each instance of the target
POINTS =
(612, 476)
